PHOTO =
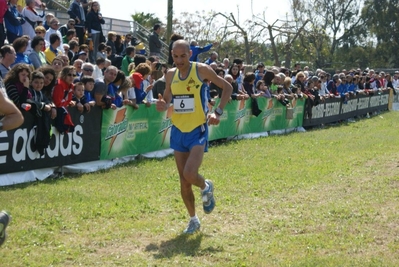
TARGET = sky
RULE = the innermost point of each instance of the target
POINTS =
(273, 9)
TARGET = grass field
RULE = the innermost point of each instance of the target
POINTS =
(326, 197)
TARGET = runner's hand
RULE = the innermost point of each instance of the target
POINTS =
(161, 104)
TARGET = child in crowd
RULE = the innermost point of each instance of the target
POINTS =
(36, 86)
(142, 71)
(42, 107)
(88, 83)
(80, 99)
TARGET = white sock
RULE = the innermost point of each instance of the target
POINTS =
(206, 187)
(194, 218)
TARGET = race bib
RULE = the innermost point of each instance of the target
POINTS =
(183, 103)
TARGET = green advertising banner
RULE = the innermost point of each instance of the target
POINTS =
(126, 131)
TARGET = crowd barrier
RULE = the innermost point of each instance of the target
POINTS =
(107, 135)
(334, 109)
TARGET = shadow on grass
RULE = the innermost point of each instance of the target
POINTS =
(188, 245)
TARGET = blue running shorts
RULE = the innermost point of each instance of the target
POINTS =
(184, 142)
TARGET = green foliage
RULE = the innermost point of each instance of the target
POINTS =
(147, 20)
(325, 197)
(381, 18)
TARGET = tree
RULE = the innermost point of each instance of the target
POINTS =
(169, 20)
(332, 23)
(147, 20)
(382, 21)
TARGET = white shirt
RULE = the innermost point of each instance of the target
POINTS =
(27, 28)
(97, 73)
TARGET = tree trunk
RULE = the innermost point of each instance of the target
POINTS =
(273, 44)
(169, 21)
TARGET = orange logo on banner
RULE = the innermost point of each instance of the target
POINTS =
(119, 117)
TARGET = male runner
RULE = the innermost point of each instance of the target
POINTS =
(186, 90)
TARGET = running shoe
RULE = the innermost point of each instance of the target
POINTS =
(193, 226)
(4, 220)
(208, 198)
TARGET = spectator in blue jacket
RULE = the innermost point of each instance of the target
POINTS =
(196, 50)
(13, 21)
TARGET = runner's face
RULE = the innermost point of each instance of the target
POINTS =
(181, 56)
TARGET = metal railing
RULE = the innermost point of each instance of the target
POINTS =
(121, 27)
(142, 34)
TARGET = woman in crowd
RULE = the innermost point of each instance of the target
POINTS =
(49, 80)
(32, 18)
(37, 56)
(94, 20)
(57, 64)
(17, 84)
(388, 78)
(234, 71)
(300, 81)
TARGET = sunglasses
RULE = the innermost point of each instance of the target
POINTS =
(39, 32)
(72, 75)
(91, 70)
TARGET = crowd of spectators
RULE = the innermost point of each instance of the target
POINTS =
(286, 84)
(50, 68)
(47, 69)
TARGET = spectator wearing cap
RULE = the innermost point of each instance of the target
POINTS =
(155, 44)
(82, 53)
(87, 70)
